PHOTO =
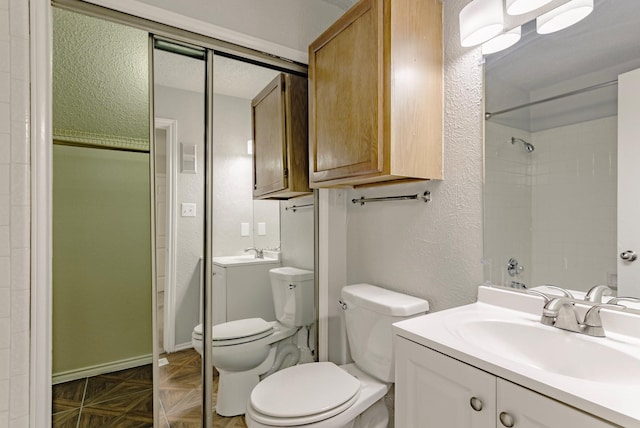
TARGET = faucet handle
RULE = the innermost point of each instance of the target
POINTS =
(596, 292)
(539, 293)
(565, 292)
(616, 300)
(592, 321)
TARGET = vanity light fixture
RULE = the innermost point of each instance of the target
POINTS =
(502, 41)
(563, 16)
(480, 20)
(520, 7)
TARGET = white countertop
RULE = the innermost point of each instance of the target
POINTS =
(611, 397)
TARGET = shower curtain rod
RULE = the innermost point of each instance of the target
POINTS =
(489, 115)
(96, 146)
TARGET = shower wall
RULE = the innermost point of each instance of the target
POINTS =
(554, 207)
(575, 242)
(507, 203)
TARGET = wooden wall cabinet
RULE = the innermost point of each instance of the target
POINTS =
(375, 91)
(280, 139)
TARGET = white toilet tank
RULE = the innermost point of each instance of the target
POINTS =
(293, 296)
(369, 313)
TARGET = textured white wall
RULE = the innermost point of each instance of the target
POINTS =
(111, 99)
(14, 214)
(432, 250)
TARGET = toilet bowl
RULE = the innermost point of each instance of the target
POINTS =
(324, 395)
(247, 350)
(243, 350)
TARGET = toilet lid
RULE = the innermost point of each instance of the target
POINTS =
(304, 393)
(245, 328)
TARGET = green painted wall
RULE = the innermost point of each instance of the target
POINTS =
(102, 262)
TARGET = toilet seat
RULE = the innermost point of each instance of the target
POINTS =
(236, 332)
(303, 394)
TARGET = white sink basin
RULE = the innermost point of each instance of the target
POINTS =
(552, 350)
(501, 334)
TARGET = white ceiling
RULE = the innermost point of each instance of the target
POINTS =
(596, 50)
(342, 4)
(230, 77)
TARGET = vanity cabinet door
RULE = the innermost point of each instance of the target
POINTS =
(435, 391)
(528, 409)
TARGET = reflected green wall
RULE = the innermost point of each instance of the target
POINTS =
(102, 262)
(102, 295)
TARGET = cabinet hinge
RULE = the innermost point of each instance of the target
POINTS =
(284, 85)
(286, 173)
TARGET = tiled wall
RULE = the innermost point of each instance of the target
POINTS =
(553, 209)
(574, 201)
(507, 204)
(14, 213)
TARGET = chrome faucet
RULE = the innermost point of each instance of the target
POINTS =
(560, 312)
(259, 252)
(596, 292)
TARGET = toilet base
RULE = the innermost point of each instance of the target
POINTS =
(235, 387)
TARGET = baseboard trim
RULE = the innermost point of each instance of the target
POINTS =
(183, 346)
(101, 369)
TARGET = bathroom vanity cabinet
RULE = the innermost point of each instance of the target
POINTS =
(280, 139)
(435, 390)
(242, 290)
(375, 91)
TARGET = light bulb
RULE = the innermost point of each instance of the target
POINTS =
(564, 16)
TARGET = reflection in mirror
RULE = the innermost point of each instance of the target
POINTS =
(241, 283)
(102, 314)
(551, 170)
(179, 108)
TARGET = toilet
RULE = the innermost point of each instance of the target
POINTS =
(324, 395)
(246, 350)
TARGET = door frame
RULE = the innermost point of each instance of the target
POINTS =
(169, 321)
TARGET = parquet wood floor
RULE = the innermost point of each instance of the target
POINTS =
(124, 399)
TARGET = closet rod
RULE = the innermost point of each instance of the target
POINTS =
(97, 146)
(425, 197)
(489, 115)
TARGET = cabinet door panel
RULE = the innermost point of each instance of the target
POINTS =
(434, 391)
(269, 139)
(346, 107)
(532, 410)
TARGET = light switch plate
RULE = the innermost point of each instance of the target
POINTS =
(262, 228)
(188, 209)
(244, 229)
